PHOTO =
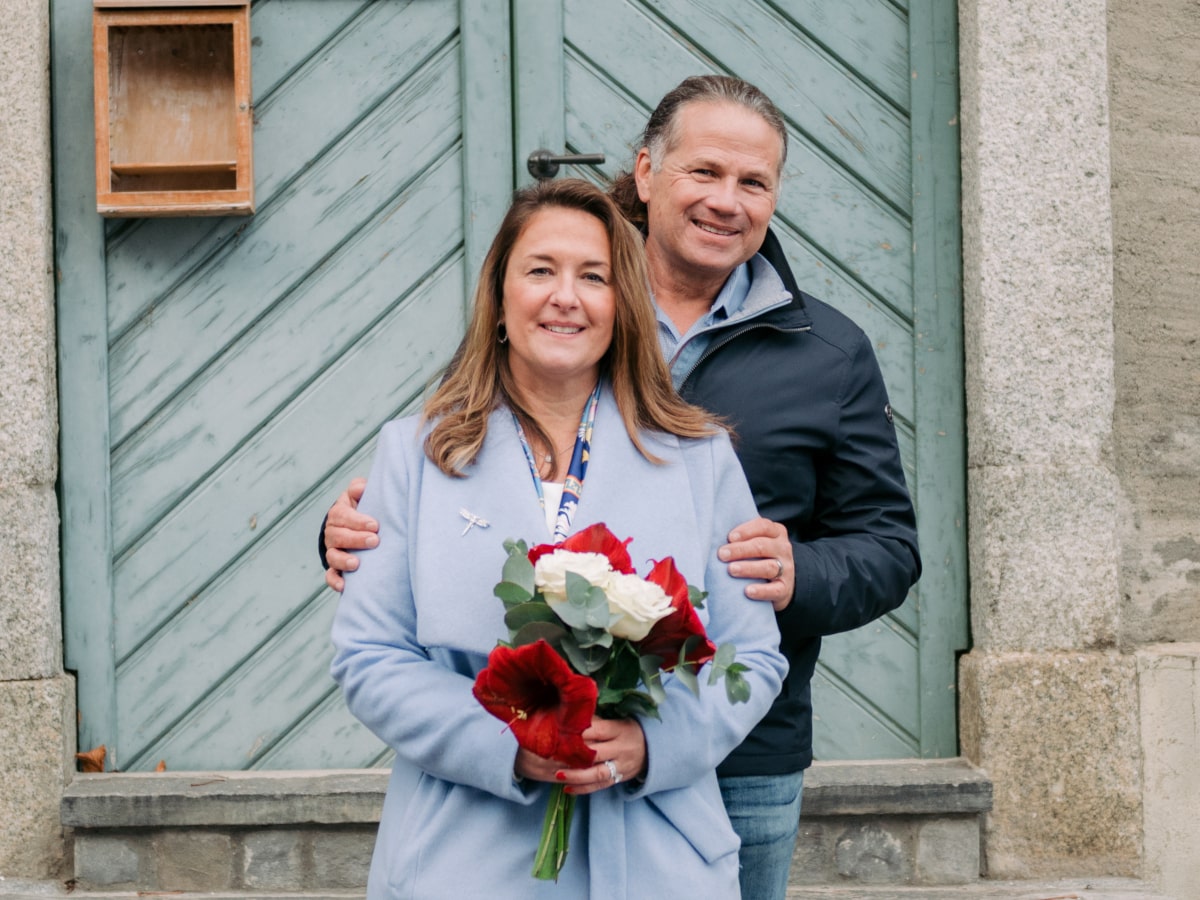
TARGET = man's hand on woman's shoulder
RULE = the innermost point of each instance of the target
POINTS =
(346, 529)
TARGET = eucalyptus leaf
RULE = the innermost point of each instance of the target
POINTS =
(684, 673)
(585, 660)
(598, 614)
(511, 593)
(523, 614)
(549, 632)
(592, 637)
(737, 688)
(517, 568)
(696, 596)
(572, 615)
(652, 677)
(725, 655)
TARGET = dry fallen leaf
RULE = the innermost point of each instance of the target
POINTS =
(92, 760)
(162, 766)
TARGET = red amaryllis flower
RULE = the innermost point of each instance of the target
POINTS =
(547, 705)
(593, 539)
(668, 634)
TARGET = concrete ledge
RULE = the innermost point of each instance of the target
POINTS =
(895, 822)
(175, 799)
(339, 797)
(895, 787)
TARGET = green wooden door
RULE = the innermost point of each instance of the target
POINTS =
(869, 218)
(222, 379)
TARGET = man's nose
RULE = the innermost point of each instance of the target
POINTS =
(723, 196)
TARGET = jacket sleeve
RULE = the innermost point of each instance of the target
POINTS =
(418, 706)
(695, 734)
(859, 556)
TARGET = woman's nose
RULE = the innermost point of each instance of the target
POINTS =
(564, 293)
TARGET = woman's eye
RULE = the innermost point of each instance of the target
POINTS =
(595, 277)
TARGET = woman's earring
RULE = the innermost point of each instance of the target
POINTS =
(501, 333)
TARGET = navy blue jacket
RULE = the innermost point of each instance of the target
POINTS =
(801, 387)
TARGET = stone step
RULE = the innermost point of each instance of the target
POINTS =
(1064, 889)
(1069, 889)
(895, 822)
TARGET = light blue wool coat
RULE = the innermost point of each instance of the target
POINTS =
(417, 621)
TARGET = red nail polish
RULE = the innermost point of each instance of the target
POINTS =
(561, 776)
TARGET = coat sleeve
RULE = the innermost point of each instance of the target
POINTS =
(859, 556)
(418, 706)
(694, 734)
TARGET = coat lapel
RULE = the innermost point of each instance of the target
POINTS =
(454, 573)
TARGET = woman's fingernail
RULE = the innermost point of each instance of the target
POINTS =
(561, 776)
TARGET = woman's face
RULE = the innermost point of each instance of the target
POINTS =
(559, 304)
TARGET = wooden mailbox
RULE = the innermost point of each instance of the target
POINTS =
(173, 107)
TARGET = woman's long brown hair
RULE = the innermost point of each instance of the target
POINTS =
(481, 379)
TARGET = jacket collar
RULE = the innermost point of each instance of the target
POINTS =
(795, 314)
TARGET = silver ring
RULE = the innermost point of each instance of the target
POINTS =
(779, 574)
(612, 771)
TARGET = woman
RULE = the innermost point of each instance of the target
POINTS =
(560, 380)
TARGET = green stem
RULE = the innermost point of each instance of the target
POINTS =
(556, 833)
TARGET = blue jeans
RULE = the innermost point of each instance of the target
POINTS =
(765, 813)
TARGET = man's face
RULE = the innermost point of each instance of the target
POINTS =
(713, 195)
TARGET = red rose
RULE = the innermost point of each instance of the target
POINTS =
(593, 539)
(545, 703)
(668, 634)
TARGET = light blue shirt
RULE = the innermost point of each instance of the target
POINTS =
(683, 351)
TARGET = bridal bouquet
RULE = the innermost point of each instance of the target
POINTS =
(589, 636)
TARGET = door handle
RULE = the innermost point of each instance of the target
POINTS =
(543, 164)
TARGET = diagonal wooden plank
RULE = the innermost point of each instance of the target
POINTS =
(849, 125)
(870, 37)
(231, 619)
(258, 703)
(286, 33)
(327, 738)
(331, 92)
(240, 283)
(880, 661)
(285, 349)
(844, 729)
(264, 478)
(850, 224)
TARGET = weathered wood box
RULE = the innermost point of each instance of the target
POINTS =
(173, 107)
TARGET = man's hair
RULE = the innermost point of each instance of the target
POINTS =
(661, 133)
(481, 379)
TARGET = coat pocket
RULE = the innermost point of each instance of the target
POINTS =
(698, 815)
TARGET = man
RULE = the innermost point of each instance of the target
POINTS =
(835, 546)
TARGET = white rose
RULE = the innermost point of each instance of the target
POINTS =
(550, 572)
(639, 603)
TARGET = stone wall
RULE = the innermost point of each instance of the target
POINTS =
(1048, 704)
(1154, 86)
(36, 698)
(1155, 79)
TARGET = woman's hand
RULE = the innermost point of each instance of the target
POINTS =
(347, 529)
(619, 741)
(760, 549)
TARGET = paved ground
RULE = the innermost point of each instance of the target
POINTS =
(1068, 889)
